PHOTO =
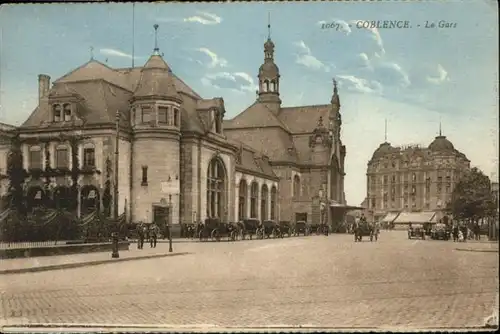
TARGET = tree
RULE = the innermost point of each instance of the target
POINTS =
(472, 198)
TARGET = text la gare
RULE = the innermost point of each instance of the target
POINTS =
(440, 24)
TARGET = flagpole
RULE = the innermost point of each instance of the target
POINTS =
(133, 33)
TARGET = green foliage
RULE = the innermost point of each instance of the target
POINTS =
(472, 198)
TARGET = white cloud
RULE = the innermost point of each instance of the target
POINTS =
(359, 84)
(404, 79)
(308, 60)
(441, 76)
(375, 35)
(216, 61)
(116, 53)
(365, 61)
(204, 18)
(248, 86)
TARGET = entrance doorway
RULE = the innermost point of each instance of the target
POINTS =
(161, 217)
(301, 216)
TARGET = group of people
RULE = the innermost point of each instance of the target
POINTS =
(149, 233)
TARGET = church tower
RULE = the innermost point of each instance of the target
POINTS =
(269, 76)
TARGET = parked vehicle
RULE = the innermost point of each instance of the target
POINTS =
(416, 231)
(440, 232)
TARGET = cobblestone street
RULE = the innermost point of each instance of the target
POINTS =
(309, 281)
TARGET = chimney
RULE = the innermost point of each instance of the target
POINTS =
(43, 86)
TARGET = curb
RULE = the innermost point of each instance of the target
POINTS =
(477, 250)
(85, 264)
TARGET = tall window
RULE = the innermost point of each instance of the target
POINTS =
(62, 157)
(218, 122)
(414, 177)
(56, 109)
(264, 202)
(35, 157)
(144, 181)
(146, 114)
(296, 187)
(254, 193)
(216, 185)
(163, 115)
(67, 112)
(274, 195)
(385, 179)
(242, 200)
(176, 117)
(88, 156)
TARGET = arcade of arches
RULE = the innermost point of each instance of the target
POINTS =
(249, 196)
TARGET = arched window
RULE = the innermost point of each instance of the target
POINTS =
(296, 187)
(264, 202)
(414, 177)
(216, 189)
(254, 194)
(89, 200)
(67, 112)
(35, 157)
(62, 157)
(273, 86)
(274, 195)
(57, 111)
(266, 82)
(242, 200)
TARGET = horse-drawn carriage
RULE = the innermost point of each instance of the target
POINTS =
(364, 229)
(301, 227)
(214, 229)
(285, 228)
(270, 229)
(251, 227)
(319, 228)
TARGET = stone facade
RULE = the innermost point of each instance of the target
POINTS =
(413, 178)
(178, 161)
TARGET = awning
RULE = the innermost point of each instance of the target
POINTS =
(415, 217)
(390, 217)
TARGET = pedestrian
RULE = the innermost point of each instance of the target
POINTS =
(455, 232)
(153, 236)
(140, 237)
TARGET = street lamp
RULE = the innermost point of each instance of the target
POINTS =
(115, 235)
(170, 249)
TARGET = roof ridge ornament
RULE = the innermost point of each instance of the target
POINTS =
(269, 25)
(156, 49)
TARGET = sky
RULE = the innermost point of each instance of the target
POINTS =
(415, 77)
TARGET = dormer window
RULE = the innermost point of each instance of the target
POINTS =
(67, 112)
(217, 119)
(57, 111)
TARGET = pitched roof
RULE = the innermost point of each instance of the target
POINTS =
(99, 103)
(276, 143)
(252, 160)
(303, 119)
(257, 115)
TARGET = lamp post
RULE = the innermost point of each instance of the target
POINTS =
(115, 188)
(170, 249)
(115, 235)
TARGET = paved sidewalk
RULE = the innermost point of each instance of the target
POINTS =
(44, 263)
